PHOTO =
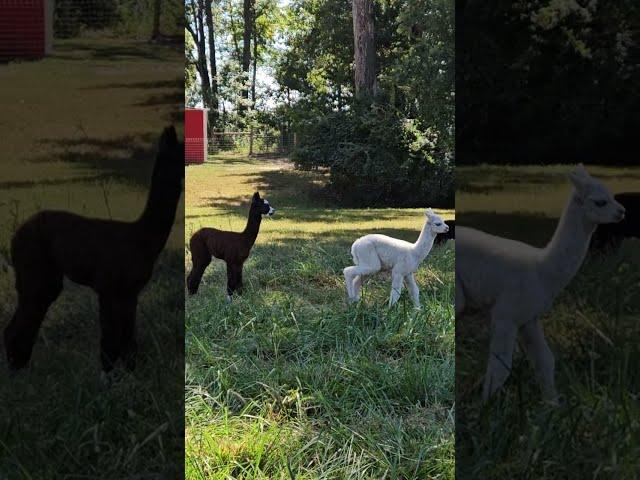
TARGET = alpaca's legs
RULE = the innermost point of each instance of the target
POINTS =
(201, 261)
(117, 325)
(503, 340)
(38, 286)
(234, 279)
(349, 277)
(397, 281)
(353, 278)
(541, 358)
(129, 342)
(357, 286)
(460, 302)
(239, 283)
(414, 292)
(367, 263)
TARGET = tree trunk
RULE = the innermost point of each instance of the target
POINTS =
(253, 80)
(157, 12)
(214, 68)
(236, 47)
(246, 48)
(255, 66)
(364, 48)
(197, 33)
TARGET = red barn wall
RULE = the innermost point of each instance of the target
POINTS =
(22, 29)
(195, 135)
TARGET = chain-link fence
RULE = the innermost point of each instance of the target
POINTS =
(142, 18)
(252, 143)
(30, 28)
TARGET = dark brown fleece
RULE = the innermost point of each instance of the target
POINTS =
(232, 247)
(114, 258)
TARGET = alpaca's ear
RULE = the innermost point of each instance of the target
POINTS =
(169, 138)
(580, 170)
(430, 212)
(578, 180)
(256, 196)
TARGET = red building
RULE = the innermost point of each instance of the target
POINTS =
(195, 135)
(26, 28)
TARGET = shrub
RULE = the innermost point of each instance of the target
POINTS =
(376, 157)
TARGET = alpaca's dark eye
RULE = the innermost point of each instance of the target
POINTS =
(600, 203)
(438, 224)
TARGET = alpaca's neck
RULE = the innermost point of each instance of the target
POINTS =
(253, 226)
(564, 254)
(423, 245)
(160, 211)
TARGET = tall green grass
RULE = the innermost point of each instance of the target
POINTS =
(288, 380)
(79, 133)
(592, 329)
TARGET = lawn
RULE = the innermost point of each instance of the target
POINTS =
(593, 330)
(288, 380)
(79, 134)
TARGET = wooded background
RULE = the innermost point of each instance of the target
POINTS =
(365, 86)
(144, 18)
(541, 82)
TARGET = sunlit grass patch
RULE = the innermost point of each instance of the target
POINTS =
(353, 391)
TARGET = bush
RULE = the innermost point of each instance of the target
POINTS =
(67, 22)
(376, 157)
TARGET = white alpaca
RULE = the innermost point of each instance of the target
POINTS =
(517, 283)
(374, 253)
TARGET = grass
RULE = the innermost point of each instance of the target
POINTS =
(288, 381)
(593, 331)
(79, 132)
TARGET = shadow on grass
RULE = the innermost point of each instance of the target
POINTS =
(63, 421)
(178, 84)
(103, 177)
(129, 157)
(111, 50)
(533, 229)
(316, 264)
(491, 179)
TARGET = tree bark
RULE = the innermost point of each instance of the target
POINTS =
(364, 48)
(255, 65)
(253, 80)
(157, 11)
(197, 33)
(248, 10)
(212, 61)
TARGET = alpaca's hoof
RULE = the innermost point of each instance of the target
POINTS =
(229, 298)
(418, 308)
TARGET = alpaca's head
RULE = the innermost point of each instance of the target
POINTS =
(596, 199)
(261, 205)
(435, 222)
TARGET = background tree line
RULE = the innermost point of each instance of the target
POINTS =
(547, 81)
(145, 18)
(379, 118)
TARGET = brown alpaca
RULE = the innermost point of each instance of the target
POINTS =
(232, 247)
(114, 258)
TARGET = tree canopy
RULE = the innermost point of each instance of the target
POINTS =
(551, 81)
(395, 145)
